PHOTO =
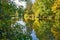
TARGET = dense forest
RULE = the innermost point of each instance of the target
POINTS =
(42, 16)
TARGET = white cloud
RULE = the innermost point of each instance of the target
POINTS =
(33, 1)
(23, 3)
(21, 22)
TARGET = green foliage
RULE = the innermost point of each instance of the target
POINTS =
(8, 32)
(45, 19)
(21, 12)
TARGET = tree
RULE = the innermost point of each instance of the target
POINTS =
(7, 9)
(8, 31)
(45, 18)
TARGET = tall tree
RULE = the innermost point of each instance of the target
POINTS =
(44, 17)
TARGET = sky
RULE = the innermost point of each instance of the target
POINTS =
(33, 1)
(21, 22)
(23, 3)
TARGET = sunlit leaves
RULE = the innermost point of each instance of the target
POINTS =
(46, 17)
(42, 11)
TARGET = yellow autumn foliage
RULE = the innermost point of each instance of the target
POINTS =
(46, 19)
(56, 5)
